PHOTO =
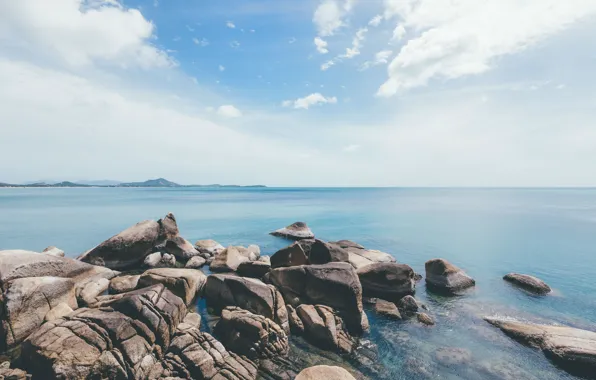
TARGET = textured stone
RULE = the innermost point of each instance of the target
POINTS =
(323, 372)
(185, 283)
(254, 269)
(289, 256)
(195, 262)
(387, 309)
(425, 319)
(230, 258)
(529, 283)
(389, 281)
(296, 231)
(324, 328)
(408, 305)
(360, 257)
(442, 276)
(209, 247)
(181, 248)
(58, 311)
(53, 251)
(123, 284)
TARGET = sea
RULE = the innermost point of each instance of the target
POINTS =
(549, 233)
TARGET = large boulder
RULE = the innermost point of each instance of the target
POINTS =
(123, 284)
(323, 253)
(181, 248)
(195, 262)
(254, 269)
(360, 257)
(246, 293)
(208, 247)
(296, 231)
(444, 277)
(185, 283)
(289, 256)
(129, 248)
(334, 284)
(387, 309)
(324, 328)
(389, 281)
(529, 283)
(324, 372)
(121, 340)
(251, 335)
(572, 349)
(230, 258)
(88, 293)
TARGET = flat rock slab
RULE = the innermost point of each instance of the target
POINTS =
(572, 349)
(361, 257)
(529, 283)
(296, 231)
(185, 283)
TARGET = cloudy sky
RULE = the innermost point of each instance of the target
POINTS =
(300, 92)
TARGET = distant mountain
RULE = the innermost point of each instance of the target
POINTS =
(102, 182)
(160, 182)
(43, 184)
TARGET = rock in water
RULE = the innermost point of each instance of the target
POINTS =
(442, 276)
(408, 305)
(360, 257)
(324, 372)
(296, 231)
(51, 250)
(529, 283)
(389, 281)
(572, 349)
(185, 283)
(425, 319)
(289, 256)
(230, 258)
(388, 309)
(251, 335)
(453, 356)
(324, 328)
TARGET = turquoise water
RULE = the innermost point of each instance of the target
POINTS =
(550, 233)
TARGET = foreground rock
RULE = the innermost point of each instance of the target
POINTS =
(53, 251)
(529, 283)
(246, 293)
(572, 349)
(230, 258)
(296, 231)
(442, 276)
(185, 283)
(335, 285)
(251, 335)
(389, 281)
(324, 328)
(425, 319)
(324, 372)
(360, 257)
(121, 340)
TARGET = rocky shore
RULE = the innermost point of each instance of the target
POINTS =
(126, 309)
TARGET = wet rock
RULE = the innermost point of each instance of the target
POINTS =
(360, 257)
(289, 256)
(442, 276)
(209, 247)
(387, 309)
(251, 335)
(181, 248)
(323, 253)
(123, 284)
(408, 305)
(296, 325)
(58, 311)
(335, 285)
(246, 293)
(324, 328)
(453, 356)
(296, 231)
(195, 262)
(254, 269)
(159, 260)
(529, 283)
(185, 283)
(425, 319)
(572, 349)
(53, 251)
(230, 258)
(389, 281)
(324, 372)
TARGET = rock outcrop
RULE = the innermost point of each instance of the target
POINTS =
(53, 251)
(444, 277)
(296, 231)
(159, 260)
(230, 258)
(324, 372)
(123, 284)
(389, 281)
(409, 306)
(324, 328)
(360, 257)
(529, 283)
(185, 283)
(7, 373)
(572, 349)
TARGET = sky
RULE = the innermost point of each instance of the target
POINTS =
(300, 92)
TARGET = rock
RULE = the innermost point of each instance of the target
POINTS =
(408, 305)
(251, 335)
(529, 283)
(324, 328)
(254, 269)
(324, 372)
(572, 349)
(26, 302)
(453, 356)
(296, 325)
(58, 311)
(123, 284)
(290, 256)
(323, 253)
(152, 260)
(389, 281)
(335, 285)
(445, 277)
(209, 247)
(230, 258)
(296, 231)
(425, 319)
(91, 290)
(191, 321)
(129, 248)
(387, 309)
(181, 248)
(7, 373)
(246, 293)
(195, 262)
(53, 251)
(360, 257)
(123, 339)
(159, 260)
(185, 283)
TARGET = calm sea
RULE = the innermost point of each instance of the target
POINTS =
(550, 233)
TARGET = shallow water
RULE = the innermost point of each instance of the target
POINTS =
(550, 233)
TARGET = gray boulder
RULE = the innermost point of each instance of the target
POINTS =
(254, 269)
(53, 251)
(230, 258)
(324, 328)
(209, 247)
(529, 283)
(159, 260)
(181, 248)
(323, 253)
(444, 277)
(360, 257)
(195, 262)
(289, 256)
(185, 283)
(387, 309)
(123, 284)
(296, 231)
(389, 281)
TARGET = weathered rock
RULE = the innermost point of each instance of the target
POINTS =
(254, 269)
(230, 258)
(445, 277)
(296, 325)
(251, 335)
(289, 256)
(185, 283)
(425, 319)
(408, 305)
(123, 284)
(191, 321)
(91, 290)
(572, 349)
(296, 231)
(246, 293)
(324, 328)
(453, 356)
(53, 251)
(323, 253)
(195, 262)
(25, 303)
(58, 311)
(122, 340)
(7, 373)
(181, 248)
(159, 260)
(529, 283)
(324, 372)
(209, 247)
(360, 257)
(334, 284)
(389, 281)
(387, 309)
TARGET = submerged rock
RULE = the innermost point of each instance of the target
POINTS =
(387, 309)
(445, 277)
(453, 356)
(230, 258)
(296, 231)
(529, 283)
(360, 257)
(53, 251)
(389, 281)
(123, 284)
(324, 372)
(185, 283)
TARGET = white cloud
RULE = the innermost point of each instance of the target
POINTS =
(222, 68)
(381, 58)
(230, 25)
(398, 33)
(329, 16)
(465, 37)
(321, 45)
(292, 40)
(350, 53)
(235, 44)
(310, 100)
(375, 21)
(202, 42)
(229, 111)
(155, 3)
(351, 148)
(327, 65)
(97, 33)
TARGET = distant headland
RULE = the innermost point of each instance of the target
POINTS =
(160, 182)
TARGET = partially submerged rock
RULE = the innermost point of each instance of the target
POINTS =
(389, 281)
(529, 283)
(185, 283)
(442, 276)
(123, 284)
(296, 231)
(408, 305)
(324, 372)
(360, 257)
(53, 251)
(387, 309)
(453, 356)
(425, 319)
(230, 258)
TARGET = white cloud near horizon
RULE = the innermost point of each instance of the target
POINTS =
(229, 111)
(310, 100)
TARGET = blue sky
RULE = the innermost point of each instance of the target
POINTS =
(300, 93)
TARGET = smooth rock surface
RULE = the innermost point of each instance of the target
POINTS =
(195, 262)
(58, 311)
(185, 283)
(529, 283)
(360, 257)
(181, 248)
(230, 258)
(123, 284)
(53, 251)
(324, 328)
(324, 372)
(323, 253)
(445, 277)
(389, 281)
(92, 289)
(159, 260)
(289, 256)
(254, 269)
(210, 247)
(296, 231)
(425, 319)
(387, 309)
